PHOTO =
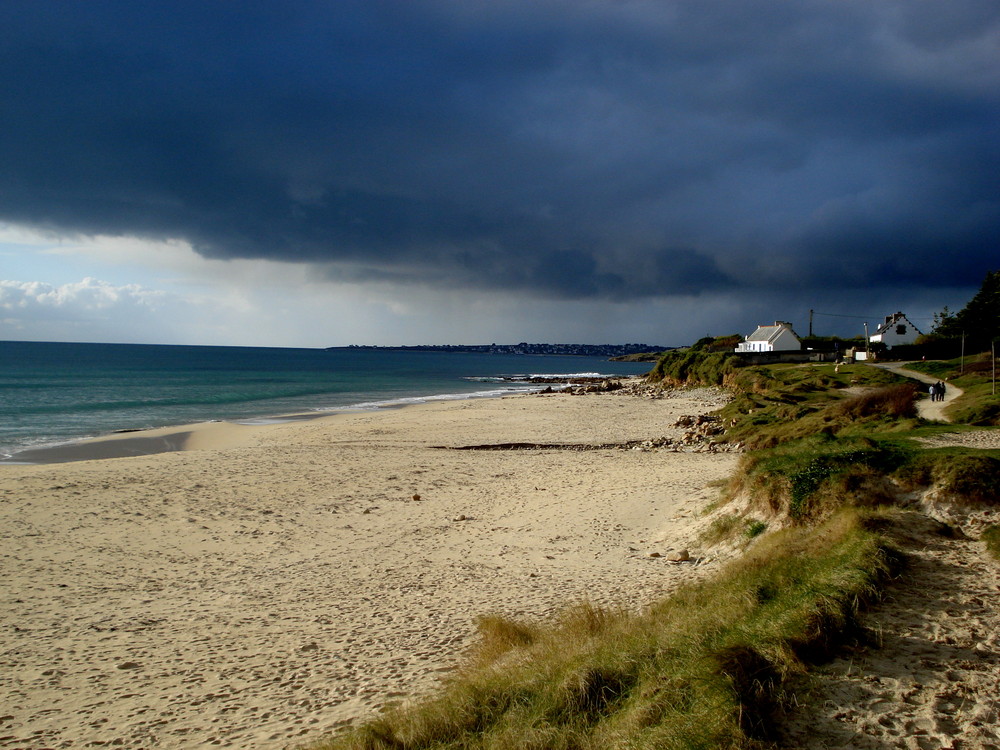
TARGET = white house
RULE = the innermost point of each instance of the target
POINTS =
(897, 329)
(777, 338)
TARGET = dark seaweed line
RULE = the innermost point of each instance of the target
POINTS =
(546, 446)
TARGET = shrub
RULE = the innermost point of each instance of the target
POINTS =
(892, 401)
(694, 366)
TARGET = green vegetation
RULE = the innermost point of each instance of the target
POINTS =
(991, 535)
(809, 478)
(829, 343)
(830, 450)
(687, 367)
(731, 526)
(698, 670)
(638, 357)
(707, 362)
(822, 447)
(964, 476)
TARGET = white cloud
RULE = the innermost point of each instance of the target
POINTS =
(87, 310)
(87, 298)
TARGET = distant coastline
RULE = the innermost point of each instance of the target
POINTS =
(564, 350)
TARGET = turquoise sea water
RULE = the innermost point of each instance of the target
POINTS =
(54, 393)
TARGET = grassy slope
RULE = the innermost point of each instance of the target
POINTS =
(703, 668)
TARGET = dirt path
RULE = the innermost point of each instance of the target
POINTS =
(930, 410)
(935, 680)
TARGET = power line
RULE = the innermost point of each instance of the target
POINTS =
(859, 317)
(865, 317)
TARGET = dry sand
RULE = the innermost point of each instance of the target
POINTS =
(269, 584)
(934, 681)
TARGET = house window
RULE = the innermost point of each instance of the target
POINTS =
(901, 330)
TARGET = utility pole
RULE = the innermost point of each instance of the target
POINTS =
(810, 324)
(866, 341)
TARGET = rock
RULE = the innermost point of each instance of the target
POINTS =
(130, 665)
(416, 497)
(655, 554)
(309, 647)
(462, 517)
(682, 556)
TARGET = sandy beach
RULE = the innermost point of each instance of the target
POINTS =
(269, 584)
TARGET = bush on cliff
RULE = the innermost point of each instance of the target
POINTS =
(706, 362)
(691, 367)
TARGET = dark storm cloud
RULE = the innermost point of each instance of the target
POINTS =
(585, 148)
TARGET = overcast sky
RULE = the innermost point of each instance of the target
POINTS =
(313, 173)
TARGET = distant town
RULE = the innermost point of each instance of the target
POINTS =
(584, 350)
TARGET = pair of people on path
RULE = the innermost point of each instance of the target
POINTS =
(937, 391)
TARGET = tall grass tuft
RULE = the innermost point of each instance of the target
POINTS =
(991, 535)
(892, 401)
(498, 635)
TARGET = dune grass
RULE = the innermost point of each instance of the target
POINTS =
(808, 478)
(701, 669)
(733, 526)
(991, 535)
(965, 476)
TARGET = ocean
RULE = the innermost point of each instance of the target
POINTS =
(55, 393)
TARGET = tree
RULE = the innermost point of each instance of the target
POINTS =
(979, 320)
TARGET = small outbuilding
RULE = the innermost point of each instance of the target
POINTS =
(895, 331)
(774, 338)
